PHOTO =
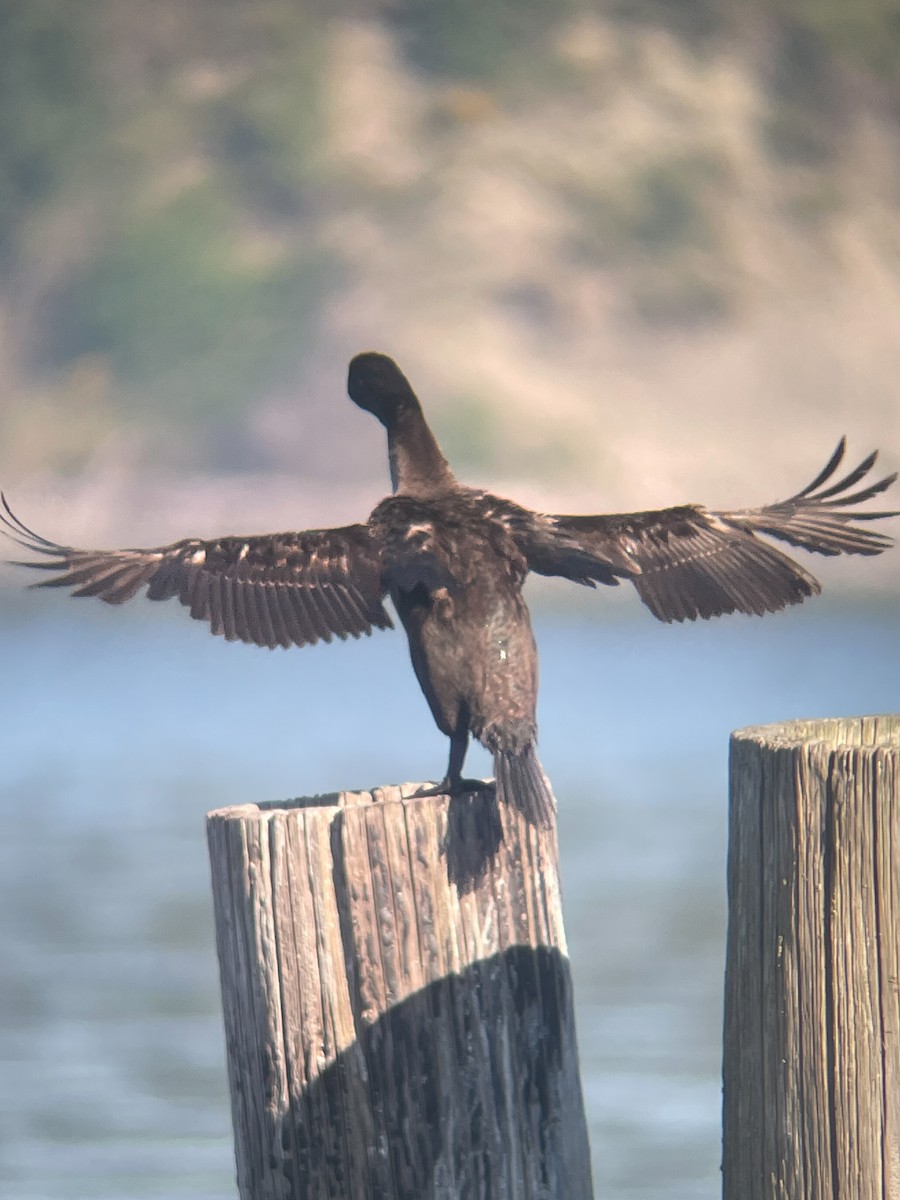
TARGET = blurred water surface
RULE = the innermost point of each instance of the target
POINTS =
(121, 728)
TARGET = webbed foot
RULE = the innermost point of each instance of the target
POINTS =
(455, 787)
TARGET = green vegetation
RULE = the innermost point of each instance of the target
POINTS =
(693, 19)
(865, 33)
(50, 107)
(661, 207)
(265, 133)
(666, 208)
(477, 40)
(177, 315)
(660, 230)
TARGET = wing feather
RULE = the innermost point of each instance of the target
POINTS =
(200, 596)
(316, 626)
(273, 609)
(269, 590)
(231, 589)
(687, 562)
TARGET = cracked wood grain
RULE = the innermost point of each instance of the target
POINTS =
(393, 1033)
(812, 1001)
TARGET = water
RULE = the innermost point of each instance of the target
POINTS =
(120, 728)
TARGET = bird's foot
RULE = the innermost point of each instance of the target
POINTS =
(454, 787)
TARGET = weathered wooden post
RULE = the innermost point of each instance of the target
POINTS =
(392, 1034)
(812, 987)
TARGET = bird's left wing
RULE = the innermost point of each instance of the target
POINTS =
(689, 562)
(278, 589)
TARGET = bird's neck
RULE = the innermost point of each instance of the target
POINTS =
(418, 468)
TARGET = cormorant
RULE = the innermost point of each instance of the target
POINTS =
(453, 560)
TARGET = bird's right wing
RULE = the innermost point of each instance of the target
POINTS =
(277, 589)
(689, 562)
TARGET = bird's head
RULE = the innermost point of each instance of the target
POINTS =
(377, 384)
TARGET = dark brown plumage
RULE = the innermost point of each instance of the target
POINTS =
(453, 560)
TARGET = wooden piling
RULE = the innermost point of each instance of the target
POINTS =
(398, 1016)
(812, 990)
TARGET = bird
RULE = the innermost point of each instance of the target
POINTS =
(453, 560)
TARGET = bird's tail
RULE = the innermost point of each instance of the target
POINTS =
(522, 784)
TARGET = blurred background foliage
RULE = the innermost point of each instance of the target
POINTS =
(484, 40)
(204, 206)
(50, 108)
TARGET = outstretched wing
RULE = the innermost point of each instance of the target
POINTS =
(278, 589)
(690, 562)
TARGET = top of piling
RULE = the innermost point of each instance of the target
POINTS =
(871, 732)
(392, 793)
